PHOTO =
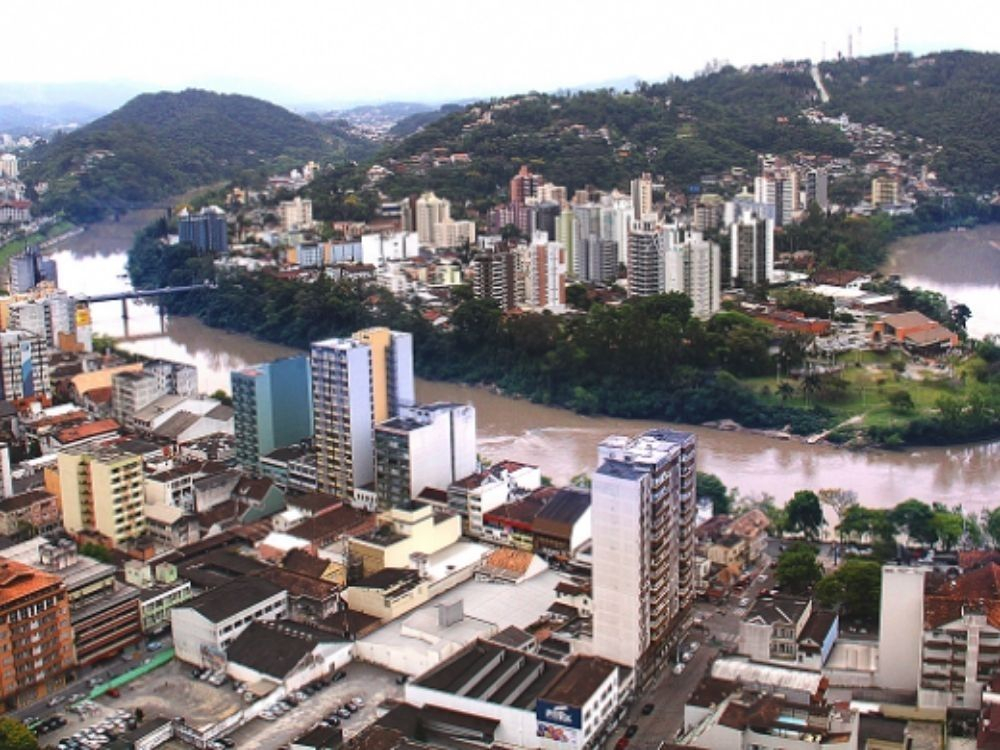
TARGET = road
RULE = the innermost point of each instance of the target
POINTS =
(718, 630)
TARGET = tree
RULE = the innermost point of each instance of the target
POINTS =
(224, 398)
(798, 571)
(710, 486)
(786, 390)
(900, 400)
(838, 499)
(16, 736)
(811, 384)
(916, 519)
(855, 588)
(948, 527)
(805, 514)
(96, 551)
(960, 315)
(993, 526)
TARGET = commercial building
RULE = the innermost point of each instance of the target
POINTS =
(36, 639)
(102, 491)
(204, 628)
(104, 614)
(24, 365)
(534, 702)
(272, 405)
(425, 446)
(205, 230)
(131, 392)
(643, 509)
(357, 383)
(285, 653)
(751, 251)
(563, 524)
(409, 529)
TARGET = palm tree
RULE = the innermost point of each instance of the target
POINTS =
(811, 384)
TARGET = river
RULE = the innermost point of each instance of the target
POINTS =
(963, 266)
(562, 443)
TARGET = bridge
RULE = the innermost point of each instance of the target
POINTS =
(141, 294)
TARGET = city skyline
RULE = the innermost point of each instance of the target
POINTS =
(353, 68)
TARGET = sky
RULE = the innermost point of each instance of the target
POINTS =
(305, 53)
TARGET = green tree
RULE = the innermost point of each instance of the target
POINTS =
(96, 551)
(900, 400)
(785, 390)
(993, 526)
(16, 736)
(804, 514)
(916, 519)
(948, 527)
(855, 589)
(224, 398)
(798, 571)
(710, 486)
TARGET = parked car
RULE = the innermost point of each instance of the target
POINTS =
(648, 709)
(115, 693)
(358, 701)
(339, 675)
(632, 730)
(621, 744)
(678, 667)
(154, 645)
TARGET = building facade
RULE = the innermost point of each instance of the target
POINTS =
(751, 250)
(272, 405)
(643, 509)
(205, 230)
(102, 491)
(24, 365)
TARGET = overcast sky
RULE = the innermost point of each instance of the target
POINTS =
(299, 52)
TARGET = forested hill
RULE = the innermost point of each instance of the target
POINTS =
(161, 144)
(949, 98)
(685, 129)
(681, 128)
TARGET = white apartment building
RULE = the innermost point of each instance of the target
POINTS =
(693, 267)
(751, 243)
(646, 258)
(643, 507)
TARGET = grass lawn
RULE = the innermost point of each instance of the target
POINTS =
(14, 247)
(870, 379)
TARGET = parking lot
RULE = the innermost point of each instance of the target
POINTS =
(372, 684)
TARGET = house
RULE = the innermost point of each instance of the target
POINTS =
(787, 630)
(562, 526)
(33, 512)
(387, 594)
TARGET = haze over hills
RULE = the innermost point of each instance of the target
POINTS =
(160, 144)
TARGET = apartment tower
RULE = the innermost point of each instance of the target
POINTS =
(643, 504)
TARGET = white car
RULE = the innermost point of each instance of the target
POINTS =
(358, 701)
(694, 646)
(678, 667)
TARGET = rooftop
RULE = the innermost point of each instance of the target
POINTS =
(272, 649)
(24, 500)
(565, 508)
(18, 580)
(313, 502)
(233, 597)
(580, 680)
(780, 609)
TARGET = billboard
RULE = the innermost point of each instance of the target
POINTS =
(560, 714)
(27, 370)
(557, 733)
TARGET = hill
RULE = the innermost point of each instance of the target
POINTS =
(950, 98)
(685, 129)
(164, 143)
(412, 123)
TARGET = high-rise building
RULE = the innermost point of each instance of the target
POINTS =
(430, 445)
(36, 638)
(546, 215)
(524, 185)
(885, 191)
(781, 190)
(272, 405)
(132, 391)
(707, 212)
(817, 184)
(46, 316)
(693, 266)
(564, 235)
(29, 269)
(644, 506)
(751, 243)
(431, 211)
(641, 190)
(103, 491)
(494, 276)
(646, 247)
(206, 230)
(356, 383)
(545, 276)
(24, 365)
(8, 166)
(296, 214)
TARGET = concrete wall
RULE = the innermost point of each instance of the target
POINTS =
(901, 627)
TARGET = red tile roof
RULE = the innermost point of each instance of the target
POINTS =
(978, 589)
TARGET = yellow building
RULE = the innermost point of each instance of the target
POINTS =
(407, 529)
(885, 191)
(102, 491)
